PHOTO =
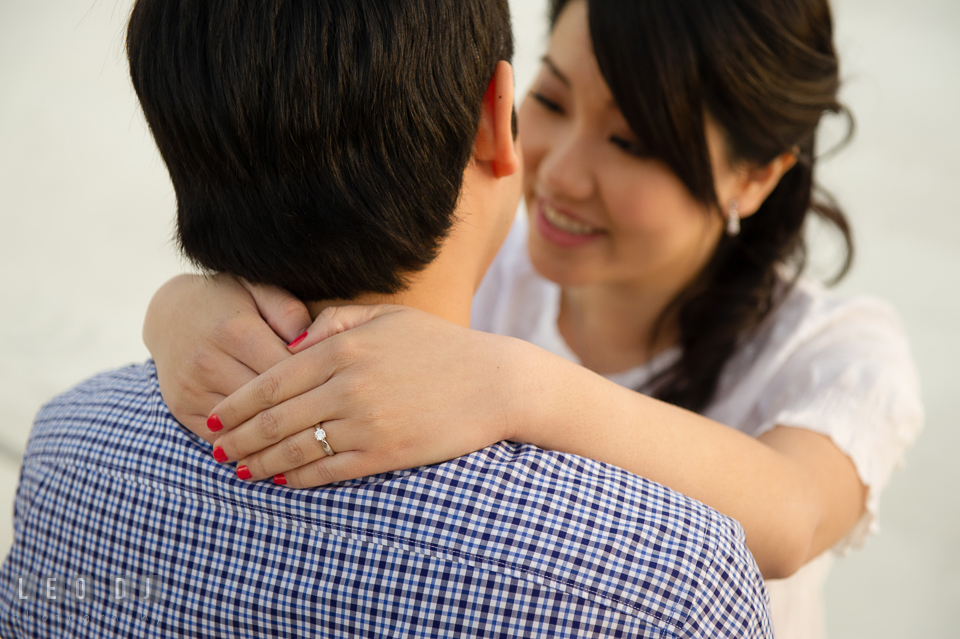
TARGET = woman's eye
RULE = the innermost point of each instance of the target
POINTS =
(547, 103)
(629, 147)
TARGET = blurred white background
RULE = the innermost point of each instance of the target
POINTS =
(86, 213)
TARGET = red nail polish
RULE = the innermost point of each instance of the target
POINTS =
(243, 472)
(214, 423)
(280, 480)
(219, 455)
(302, 337)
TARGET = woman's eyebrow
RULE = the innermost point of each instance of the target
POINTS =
(557, 72)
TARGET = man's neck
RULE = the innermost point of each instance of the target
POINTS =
(445, 288)
(449, 308)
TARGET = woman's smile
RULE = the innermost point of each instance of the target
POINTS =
(563, 229)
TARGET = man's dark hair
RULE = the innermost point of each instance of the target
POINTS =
(316, 145)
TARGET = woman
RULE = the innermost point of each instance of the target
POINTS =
(669, 157)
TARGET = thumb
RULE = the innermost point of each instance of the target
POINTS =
(337, 319)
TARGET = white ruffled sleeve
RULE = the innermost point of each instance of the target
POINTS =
(850, 376)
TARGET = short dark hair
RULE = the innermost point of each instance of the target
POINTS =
(316, 145)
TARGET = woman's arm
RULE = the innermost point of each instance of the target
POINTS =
(396, 388)
(795, 493)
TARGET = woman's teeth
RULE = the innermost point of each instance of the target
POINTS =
(565, 223)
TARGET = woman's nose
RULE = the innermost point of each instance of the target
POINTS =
(566, 170)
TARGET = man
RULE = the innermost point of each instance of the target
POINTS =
(359, 150)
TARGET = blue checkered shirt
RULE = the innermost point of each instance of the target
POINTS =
(511, 541)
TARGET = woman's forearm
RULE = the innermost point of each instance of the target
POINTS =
(763, 484)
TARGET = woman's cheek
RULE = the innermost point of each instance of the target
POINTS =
(533, 154)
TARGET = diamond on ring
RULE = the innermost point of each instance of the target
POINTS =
(321, 436)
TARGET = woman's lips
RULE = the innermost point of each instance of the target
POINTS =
(563, 230)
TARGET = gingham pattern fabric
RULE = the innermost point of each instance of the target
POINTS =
(511, 541)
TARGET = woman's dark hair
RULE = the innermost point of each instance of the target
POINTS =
(765, 71)
(316, 145)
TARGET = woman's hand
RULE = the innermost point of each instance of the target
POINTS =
(394, 388)
(211, 335)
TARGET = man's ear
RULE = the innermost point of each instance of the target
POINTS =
(758, 182)
(495, 144)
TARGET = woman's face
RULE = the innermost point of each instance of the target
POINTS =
(600, 212)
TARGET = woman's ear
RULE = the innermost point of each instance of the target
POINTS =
(757, 183)
(495, 144)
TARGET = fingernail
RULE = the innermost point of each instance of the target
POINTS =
(280, 479)
(219, 455)
(302, 337)
(214, 423)
(243, 472)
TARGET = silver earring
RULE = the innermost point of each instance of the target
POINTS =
(733, 219)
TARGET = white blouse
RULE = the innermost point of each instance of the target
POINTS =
(838, 366)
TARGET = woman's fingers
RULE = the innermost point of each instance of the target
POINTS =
(197, 423)
(278, 422)
(290, 378)
(239, 332)
(191, 389)
(221, 375)
(334, 320)
(284, 313)
(296, 451)
(193, 323)
(326, 470)
(190, 401)
(249, 340)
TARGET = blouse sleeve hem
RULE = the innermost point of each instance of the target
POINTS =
(873, 460)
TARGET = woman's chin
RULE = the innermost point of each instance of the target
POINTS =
(564, 270)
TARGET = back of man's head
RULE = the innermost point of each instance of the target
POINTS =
(316, 145)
